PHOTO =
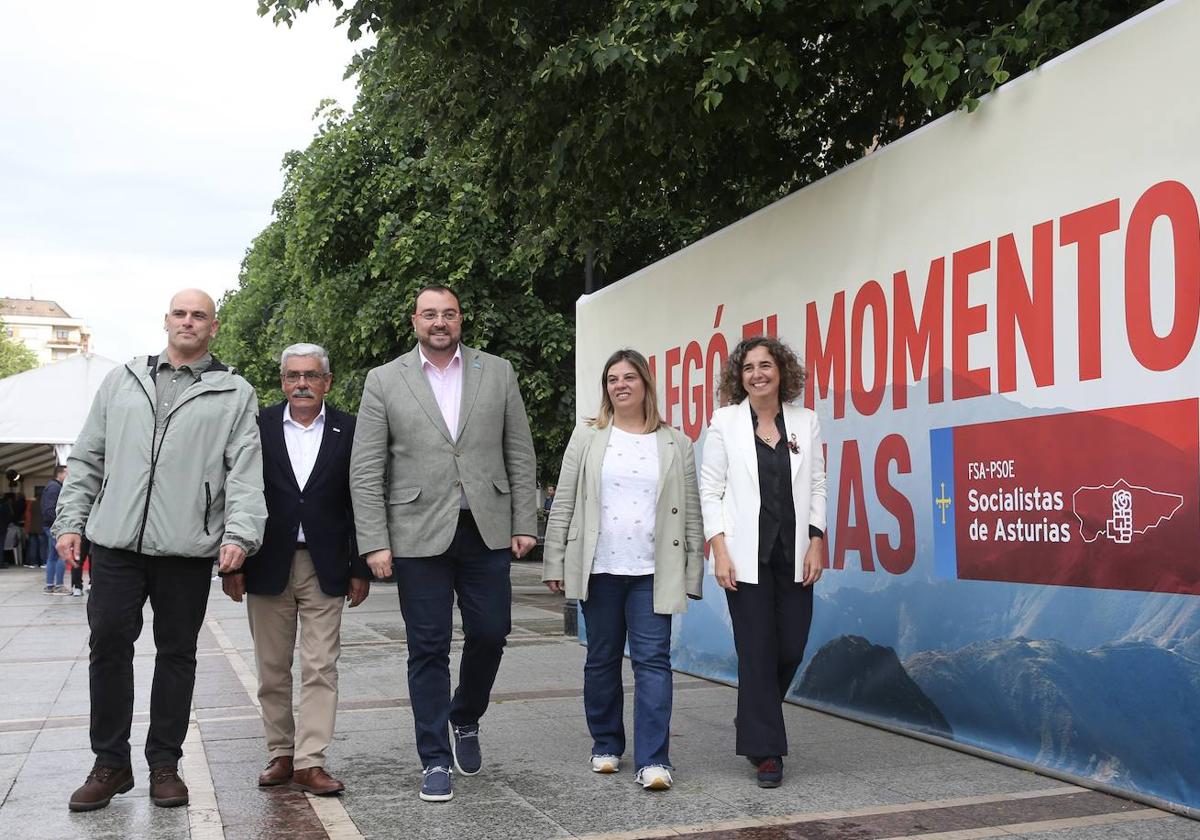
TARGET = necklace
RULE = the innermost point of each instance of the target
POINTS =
(767, 439)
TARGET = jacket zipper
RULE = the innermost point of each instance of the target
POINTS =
(207, 506)
(155, 451)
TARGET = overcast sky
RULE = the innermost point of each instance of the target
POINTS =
(140, 148)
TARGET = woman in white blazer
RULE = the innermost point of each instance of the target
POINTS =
(625, 538)
(762, 489)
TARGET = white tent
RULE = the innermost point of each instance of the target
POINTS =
(42, 411)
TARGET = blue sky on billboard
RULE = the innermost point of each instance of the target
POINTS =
(141, 149)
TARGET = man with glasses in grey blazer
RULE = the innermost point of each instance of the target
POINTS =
(442, 479)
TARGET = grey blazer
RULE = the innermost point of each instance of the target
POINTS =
(574, 523)
(407, 472)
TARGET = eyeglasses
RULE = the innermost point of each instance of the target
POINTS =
(293, 376)
(431, 315)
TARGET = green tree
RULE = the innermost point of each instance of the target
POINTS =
(495, 146)
(636, 126)
(15, 357)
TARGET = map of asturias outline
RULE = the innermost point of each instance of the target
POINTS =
(1120, 510)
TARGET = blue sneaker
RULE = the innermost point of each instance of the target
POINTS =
(464, 746)
(436, 785)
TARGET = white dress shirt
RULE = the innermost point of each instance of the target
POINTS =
(303, 445)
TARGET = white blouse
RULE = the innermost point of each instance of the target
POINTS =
(628, 495)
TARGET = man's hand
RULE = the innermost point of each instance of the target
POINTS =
(380, 562)
(359, 589)
(232, 557)
(234, 586)
(555, 586)
(522, 544)
(68, 549)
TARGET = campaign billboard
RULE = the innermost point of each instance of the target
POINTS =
(999, 318)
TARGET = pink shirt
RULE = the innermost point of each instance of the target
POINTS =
(447, 387)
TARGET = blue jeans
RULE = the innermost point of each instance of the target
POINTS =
(620, 607)
(479, 577)
(54, 566)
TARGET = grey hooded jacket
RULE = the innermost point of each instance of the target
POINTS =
(183, 490)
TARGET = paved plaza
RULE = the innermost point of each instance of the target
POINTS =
(844, 780)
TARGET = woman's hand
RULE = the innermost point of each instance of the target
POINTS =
(814, 561)
(555, 586)
(723, 567)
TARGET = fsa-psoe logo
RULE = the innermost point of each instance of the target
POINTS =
(1121, 510)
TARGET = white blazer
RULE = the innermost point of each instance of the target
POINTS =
(729, 494)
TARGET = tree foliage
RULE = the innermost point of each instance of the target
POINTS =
(634, 126)
(494, 145)
(15, 357)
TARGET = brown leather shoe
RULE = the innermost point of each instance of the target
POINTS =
(315, 780)
(167, 790)
(102, 784)
(278, 772)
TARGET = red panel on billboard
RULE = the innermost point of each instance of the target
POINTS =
(1107, 499)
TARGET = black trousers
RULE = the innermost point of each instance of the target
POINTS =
(770, 631)
(479, 577)
(177, 588)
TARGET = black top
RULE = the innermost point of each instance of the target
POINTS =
(777, 509)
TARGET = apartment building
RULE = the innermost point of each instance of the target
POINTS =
(45, 328)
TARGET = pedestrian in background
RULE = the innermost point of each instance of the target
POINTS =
(35, 537)
(54, 566)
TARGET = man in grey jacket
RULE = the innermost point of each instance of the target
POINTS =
(442, 480)
(165, 477)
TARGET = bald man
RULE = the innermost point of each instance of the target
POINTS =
(165, 478)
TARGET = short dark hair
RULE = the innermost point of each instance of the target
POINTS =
(435, 287)
(791, 370)
(59, 470)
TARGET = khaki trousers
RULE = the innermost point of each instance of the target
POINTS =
(273, 624)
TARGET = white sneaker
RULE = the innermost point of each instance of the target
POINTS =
(605, 764)
(654, 777)
(77, 592)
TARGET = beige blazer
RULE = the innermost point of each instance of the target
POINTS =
(729, 490)
(574, 523)
(408, 473)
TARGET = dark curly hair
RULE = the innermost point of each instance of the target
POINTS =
(792, 373)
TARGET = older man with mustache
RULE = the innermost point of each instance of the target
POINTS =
(307, 568)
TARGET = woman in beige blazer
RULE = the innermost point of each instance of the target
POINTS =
(762, 486)
(624, 537)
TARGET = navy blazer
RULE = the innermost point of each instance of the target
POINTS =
(323, 506)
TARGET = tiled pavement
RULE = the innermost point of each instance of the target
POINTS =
(843, 780)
